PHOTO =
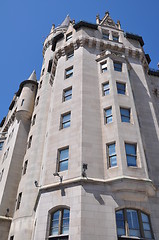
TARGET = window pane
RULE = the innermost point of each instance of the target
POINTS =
(144, 218)
(146, 226)
(65, 230)
(133, 223)
(108, 112)
(112, 149)
(120, 223)
(131, 161)
(117, 66)
(113, 161)
(66, 213)
(68, 92)
(63, 166)
(148, 234)
(130, 149)
(66, 117)
(64, 154)
(120, 88)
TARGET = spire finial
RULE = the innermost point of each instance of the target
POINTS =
(33, 76)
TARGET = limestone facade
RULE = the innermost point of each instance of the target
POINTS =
(79, 148)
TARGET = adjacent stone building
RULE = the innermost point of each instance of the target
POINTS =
(79, 150)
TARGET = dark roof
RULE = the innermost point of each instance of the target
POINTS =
(2, 122)
(22, 84)
(12, 105)
(135, 37)
(56, 39)
(153, 72)
(85, 24)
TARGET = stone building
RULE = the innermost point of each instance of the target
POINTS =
(79, 151)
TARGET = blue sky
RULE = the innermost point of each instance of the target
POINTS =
(24, 24)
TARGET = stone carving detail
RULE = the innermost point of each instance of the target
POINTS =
(107, 21)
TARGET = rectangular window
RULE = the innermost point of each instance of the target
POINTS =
(69, 72)
(106, 88)
(63, 157)
(108, 115)
(1, 175)
(30, 141)
(19, 200)
(103, 67)
(33, 121)
(37, 101)
(67, 94)
(50, 65)
(40, 84)
(68, 36)
(116, 38)
(25, 167)
(65, 120)
(125, 114)
(1, 145)
(22, 102)
(121, 88)
(118, 66)
(112, 160)
(106, 35)
(69, 55)
(5, 154)
(131, 154)
(12, 238)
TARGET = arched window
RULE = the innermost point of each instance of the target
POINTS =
(133, 223)
(59, 225)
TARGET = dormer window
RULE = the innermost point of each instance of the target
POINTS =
(68, 36)
(105, 35)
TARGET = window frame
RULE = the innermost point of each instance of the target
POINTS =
(63, 122)
(69, 36)
(69, 55)
(120, 89)
(131, 155)
(1, 145)
(110, 156)
(59, 160)
(107, 117)
(122, 115)
(104, 91)
(60, 219)
(19, 200)
(116, 66)
(67, 73)
(140, 222)
(25, 167)
(30, 141)
(103, 69)
(33, 120)
(64, 97)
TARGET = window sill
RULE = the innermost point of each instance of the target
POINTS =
(58, 237)
(131, 238)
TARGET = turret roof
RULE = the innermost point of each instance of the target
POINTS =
(33, 76)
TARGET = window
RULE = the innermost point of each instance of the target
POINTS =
(1, 175)
(68, 36)
(69, 55)
(22, 102)
(25, 167)
(106, 35)
(67, 94)
(63, 156)
(112, 160)
(121, 88)
(108, 115)
(65, 120)
(34, 118)
(1, 145)
(50, 65)
(5, 154)
(133, 223)
(103, 67)
(12, 238)
(40, 84)
(59, 225)
(43, 72)
(30, 141)
(125, 114)
(19, 200)
(106, 88)
(69, 72)
(118, 66)
(131, 154)
(116, 38)
(37, 101)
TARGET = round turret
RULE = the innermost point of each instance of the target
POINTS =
(27, 92)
